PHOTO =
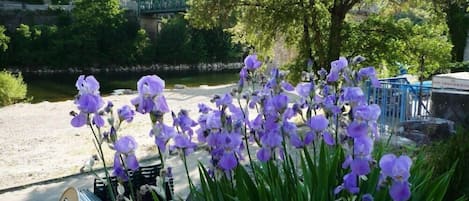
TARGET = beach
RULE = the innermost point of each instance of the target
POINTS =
(39, 144)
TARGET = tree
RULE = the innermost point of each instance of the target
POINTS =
(456, 15)
(313, 27)
(401, 33)
(178, 42)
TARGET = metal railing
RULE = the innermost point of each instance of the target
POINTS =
(162, 6)
(400, 101)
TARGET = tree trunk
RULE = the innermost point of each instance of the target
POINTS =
(335, 38)
(338, 12)
(306, 51)
(457, 26)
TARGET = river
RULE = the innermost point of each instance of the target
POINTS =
(61, 86)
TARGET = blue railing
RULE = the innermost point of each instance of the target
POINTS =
(162, 6)
(400, 101)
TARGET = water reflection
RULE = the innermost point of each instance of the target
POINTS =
(58, 87)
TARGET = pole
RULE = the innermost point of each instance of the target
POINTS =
(422, 62)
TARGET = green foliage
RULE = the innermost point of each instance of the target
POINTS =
(4, 39)
(77, 41)
(295, 71)
(443, 154)
(12, 88)
(313, 28)
(398, 31)
(459, 66)
(402, 35)
(314, 178)
(94, 35)
(177, 42)
(456, 15)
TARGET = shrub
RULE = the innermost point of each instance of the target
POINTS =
(12, 88)
(441, 156)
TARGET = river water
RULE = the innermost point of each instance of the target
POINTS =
(61, 86)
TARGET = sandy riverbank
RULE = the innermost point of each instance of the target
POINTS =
(38, 142)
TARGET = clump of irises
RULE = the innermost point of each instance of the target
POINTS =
(258, 116)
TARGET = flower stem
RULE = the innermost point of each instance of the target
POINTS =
(246, 140)
(131, 186)
(161, 157)
(337, 130)
(101, 155)
(187, 170)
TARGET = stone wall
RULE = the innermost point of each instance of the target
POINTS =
(203, 67)
(451, 105)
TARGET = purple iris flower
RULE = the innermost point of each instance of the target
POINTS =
(363, 146)
(79, 120)
(354, 95)
(126, 113)
(287, 86)
(322, 73)
(251, 62)
(161, 105)
(400, 191)
(228, 161)
(125, 146)
(150, 85)
(340, 64)
(226, 100)
(118, 168)
(213, 120)
(264, 154)
(87, 85)
(348, 160)
(150, 98)
(398, 168)
(243, 73)
(336, 67)
(272, 139)
(280, 102)
(256, 123)
(98, 120)
(369, 72)
(328, 139)
(163, 135)
(360, 166)
(184, 121)
(184, 143)
(318, 123)
(88, 102)
(309, 137)
(357, 129)
(304, 89)
(350, 184)
(367, 112)
(367, 197)
(231, 145)
(329, 104)
(296, 141)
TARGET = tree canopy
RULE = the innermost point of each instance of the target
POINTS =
(385, 32)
